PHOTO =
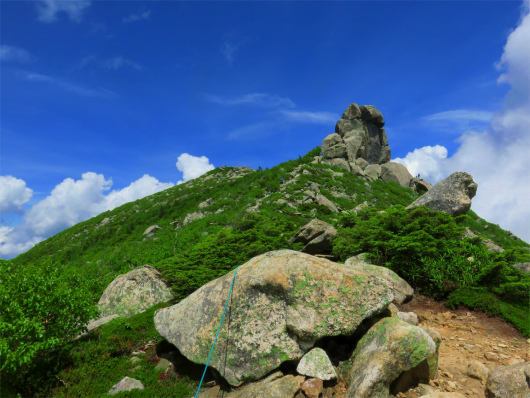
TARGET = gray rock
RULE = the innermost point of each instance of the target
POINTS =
(126, 384)
(314, 187)
(163, 364)
(322, 200)
(331, 141)
(310, 231)
(206, 203)
(409, 317)
(151, 230)
(432, 360)
(345, 127)
(403, 292)
(282, 303)
(419, 185)
(361, 163)
(509, 381)
(356, 170)
(477, 370)
(492, 246)
(352, 112)
(373, 148)
(339, 162)
(271, 387)
(452, 195)
(193, 217)
(369, 113)
(396, 172)
(386, 155)
(134, 292)
(469, 234)
(316, 363)
(373, 171)
(95, 323)
(525, 267)
(440, 394)
(391, 347)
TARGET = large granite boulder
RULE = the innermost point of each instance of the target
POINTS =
(282, 303)
(403, 292)
(358, 135)
(316, 235)
(396, 172)
(134, 292)
(452, 195)
(390, 348)
(509, 381)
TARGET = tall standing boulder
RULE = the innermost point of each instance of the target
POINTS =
(282, 303)
(134, 292)
(452, 195)
(358, 135)
(396, 172)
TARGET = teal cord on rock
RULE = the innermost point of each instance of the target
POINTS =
(218, 330)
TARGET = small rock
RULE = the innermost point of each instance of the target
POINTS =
(126, 384)
(409, 317)
(163, 364)
(317, 364)
(312, 387)
(477, 370)
(491, 356)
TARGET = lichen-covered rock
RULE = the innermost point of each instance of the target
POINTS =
(509, 381)
(193, 217)
(206, 203)
(282, 302)
(391, 347)
(396, 172)
(452, 195)
(525, 267)
(316, 363)
(134, 292)
(432, 360)
(316, 235)
(409, 317)
(126, 384)
(274, 386)
(403, 292)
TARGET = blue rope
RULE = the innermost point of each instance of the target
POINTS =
(218, 330)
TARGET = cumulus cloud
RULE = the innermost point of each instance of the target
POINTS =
(13, 54)
(193, 166)
(48, 9)
(70, 202)
(496, 156)
(13, 194)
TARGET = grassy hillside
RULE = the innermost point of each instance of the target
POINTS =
(424, 247)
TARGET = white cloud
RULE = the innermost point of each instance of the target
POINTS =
(253, 131)
(48, 9)
(193, 166)
(256, 99)
(457, 120)
(460, 114)
(14, 54)
(312, 117)
(137, 17)
(73, 88)
(70, 202)
(497, 156)
(425, 161)
(228, 50)
(13, 194)
(119, 62)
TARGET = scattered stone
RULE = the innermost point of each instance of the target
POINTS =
(322, 200)
(163, 364)
(477, 370)
(134, 292)
(312, 387)
(452, 195)
(126, 384)
(317, 364)
(95, 323)
(193, 217)
(409, 317)
(491, 356)
(509, 381)
(492, 246)
(206, 203)
(282, 387)
(149, 232)
(444, 394)
(425, 389)
(317, 236)
(283, 302)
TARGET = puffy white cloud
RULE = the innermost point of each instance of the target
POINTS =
(193, 166)
(425, 161)
(13, 194)
(48, 9)
(13, 54)
(497, 156)
(70, 202)
(146, 185)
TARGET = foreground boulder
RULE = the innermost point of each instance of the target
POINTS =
(403, 292)
(316, 235)
(134, 292)
(452, 195)
(390, 348)
(509, 381)
(281, 303)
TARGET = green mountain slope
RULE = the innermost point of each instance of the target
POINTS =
(250, 213)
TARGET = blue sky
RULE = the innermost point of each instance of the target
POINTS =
(103, 102)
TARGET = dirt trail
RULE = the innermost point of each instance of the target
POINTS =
(466, 336)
